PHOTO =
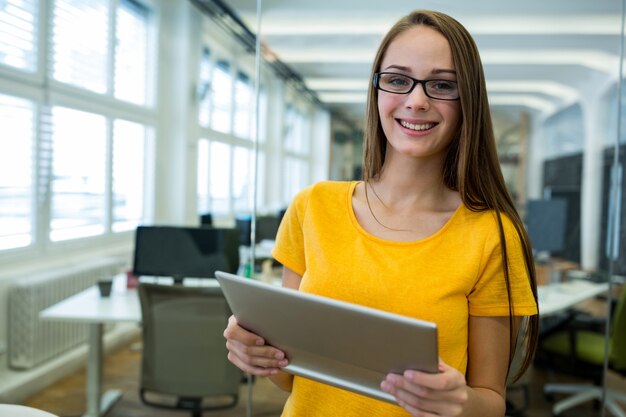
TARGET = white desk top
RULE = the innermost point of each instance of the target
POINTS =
(560, 296)
(121, 306)
(88, 306)
(263, 249)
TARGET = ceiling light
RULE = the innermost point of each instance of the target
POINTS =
(342, 97)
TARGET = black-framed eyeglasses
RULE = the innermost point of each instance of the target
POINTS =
(403, 84)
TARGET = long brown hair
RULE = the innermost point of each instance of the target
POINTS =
(471, 165)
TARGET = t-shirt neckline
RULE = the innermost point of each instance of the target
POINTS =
(370, 236)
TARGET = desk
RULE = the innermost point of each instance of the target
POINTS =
(87, 306)
(553, 269)
(263, 249)
(560, 296)
(122, 306)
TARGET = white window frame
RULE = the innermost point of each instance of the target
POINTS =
(239, 61)
(40, 88)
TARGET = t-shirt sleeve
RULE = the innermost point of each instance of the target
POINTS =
(289, 247)
(489, 295)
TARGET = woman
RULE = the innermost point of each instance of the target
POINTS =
(430, 232)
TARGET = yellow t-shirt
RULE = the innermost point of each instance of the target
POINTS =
(443, 278)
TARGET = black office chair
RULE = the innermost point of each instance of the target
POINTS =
(577, 348)
(184, 363)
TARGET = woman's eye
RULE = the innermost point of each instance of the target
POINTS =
(398, 81)
(444, 85)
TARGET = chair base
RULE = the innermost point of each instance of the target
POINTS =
(583, 393)
(192, 404)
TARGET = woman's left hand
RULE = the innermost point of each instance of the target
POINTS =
(425, 394)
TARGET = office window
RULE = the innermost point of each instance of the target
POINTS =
(296, 146)
(129, 144)
(226, 118)
(222, 97)
(82, 49)
(70, 166)
(243, 179)
(204, 88)
(203, 190)
(289, 127)
(80, 43)
(263, 117)
(98, 174)
(78, 174)
(219, 177)
(16, 172)
(262, 178)
(131, 52)
(244, 106)
(295, 137)
(18, 34)
(295, 176)
(564, 133)
(221, 165)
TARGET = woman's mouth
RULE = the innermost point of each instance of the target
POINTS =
(418, 127)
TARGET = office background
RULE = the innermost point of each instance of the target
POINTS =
(117, 113)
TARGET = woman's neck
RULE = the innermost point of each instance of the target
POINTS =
(419, 182)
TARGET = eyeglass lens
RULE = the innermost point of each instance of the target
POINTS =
(402, 84)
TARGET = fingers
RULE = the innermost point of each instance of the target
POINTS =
(235, 332)
(249, 352)
(426, 409)
(420, 393)
(257, 360)
(427, 405)
(448, 379)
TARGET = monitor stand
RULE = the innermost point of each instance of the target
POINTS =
(178, 279)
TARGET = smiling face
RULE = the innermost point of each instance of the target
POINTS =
(414, 124)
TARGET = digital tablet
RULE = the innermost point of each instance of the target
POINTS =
(334, 342)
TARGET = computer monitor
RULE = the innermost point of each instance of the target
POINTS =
(183, 252)
(266, 228)
(545, 224)
(244, 226)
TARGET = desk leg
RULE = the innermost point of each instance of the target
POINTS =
(97, 404)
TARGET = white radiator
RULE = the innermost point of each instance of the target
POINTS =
(31, 340)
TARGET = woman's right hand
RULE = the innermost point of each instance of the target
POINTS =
(248, 351)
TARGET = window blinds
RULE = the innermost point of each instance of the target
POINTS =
(81, 43)
(16, 187)
(18, 34)
(131, 53)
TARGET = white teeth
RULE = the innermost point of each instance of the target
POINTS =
(417, 127)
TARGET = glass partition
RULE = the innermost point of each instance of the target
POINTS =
(558, 112)
(613, 203)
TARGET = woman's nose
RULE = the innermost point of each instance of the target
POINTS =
(417, 98)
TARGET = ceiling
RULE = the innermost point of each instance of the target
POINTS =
(539, 55)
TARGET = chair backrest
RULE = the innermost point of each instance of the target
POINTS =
(184, 351)
(618, 338)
